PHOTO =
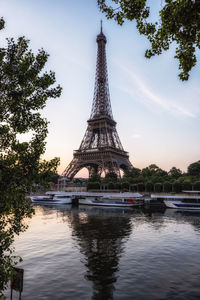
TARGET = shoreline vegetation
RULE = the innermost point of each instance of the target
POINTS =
(149, 179)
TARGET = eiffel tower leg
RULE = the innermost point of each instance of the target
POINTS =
(72, 169)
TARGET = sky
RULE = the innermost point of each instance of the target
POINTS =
(157, 115)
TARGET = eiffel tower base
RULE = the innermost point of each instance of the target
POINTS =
(98, 162)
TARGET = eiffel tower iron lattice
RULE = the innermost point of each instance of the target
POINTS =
(101, 149)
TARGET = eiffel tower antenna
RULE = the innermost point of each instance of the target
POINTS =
(101, 150)
(101, 27)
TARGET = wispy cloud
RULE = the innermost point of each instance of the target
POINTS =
(137, 86)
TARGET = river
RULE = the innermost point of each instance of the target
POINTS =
(105, 253)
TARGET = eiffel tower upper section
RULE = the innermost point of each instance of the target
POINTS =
(101, 149)
(101, 107)
(101, 102)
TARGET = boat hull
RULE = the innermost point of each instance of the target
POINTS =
(110, 202)
(55, 200)
(182, 205)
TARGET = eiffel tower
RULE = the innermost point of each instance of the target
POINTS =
(100, 150)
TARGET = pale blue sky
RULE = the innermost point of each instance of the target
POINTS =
(158, 116)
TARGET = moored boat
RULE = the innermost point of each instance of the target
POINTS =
(99, 199)
(188, 200)
(52, 199)
(114, 200)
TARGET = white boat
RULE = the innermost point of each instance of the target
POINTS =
(103, 199)
(114, 200)
(188, 200)
(60, 198)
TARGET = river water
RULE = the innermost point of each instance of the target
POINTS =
(105, 253)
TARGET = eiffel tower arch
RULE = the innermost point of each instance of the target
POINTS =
(100, 150)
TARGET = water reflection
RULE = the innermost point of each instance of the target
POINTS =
(101, 234)
(110, 253)
(185, 216)
(11, 223)
(157, 217)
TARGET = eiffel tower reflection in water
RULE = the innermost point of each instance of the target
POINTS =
(105, 253)
(101, 234)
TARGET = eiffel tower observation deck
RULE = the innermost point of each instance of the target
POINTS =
(100, 150)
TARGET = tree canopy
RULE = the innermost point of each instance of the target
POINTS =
(24, 90)
(151, 178)
(175, 173)
(194, 169)
(178, 22)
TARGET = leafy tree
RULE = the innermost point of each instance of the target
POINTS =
(141, 187)
(177, 187)
(48, 172)
(93, 186)
(197, 186)
(11, 223)
(118, 186)
(125, 185)
(167, 187)
(194, 169)
(154, 174)
(95, 178)
(134, 187)
(158, 188)
(175, 173)
(133, 173)
(149, 171)
(111, 185)
(111, 176)
(78, 182)
(24, 90)
(178, 23)
(149, 187)
(186, 185)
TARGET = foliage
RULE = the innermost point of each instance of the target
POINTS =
(78, 182)
(149, 187)
(186, 185)
(154, 174)
(177, 187)
(152, 179)
(47, 172)
(141, 187)
(111, 186)
(125, 185)
(133, 173)
(93, 186)
(24, 90)
(178, 23)
(197, 186)
(175, 173)
(11, 224)
(118, 186)
(134, 188)
(167, 187)
(158, 187)
(194, 169)
(111, 176)
(95, 178)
